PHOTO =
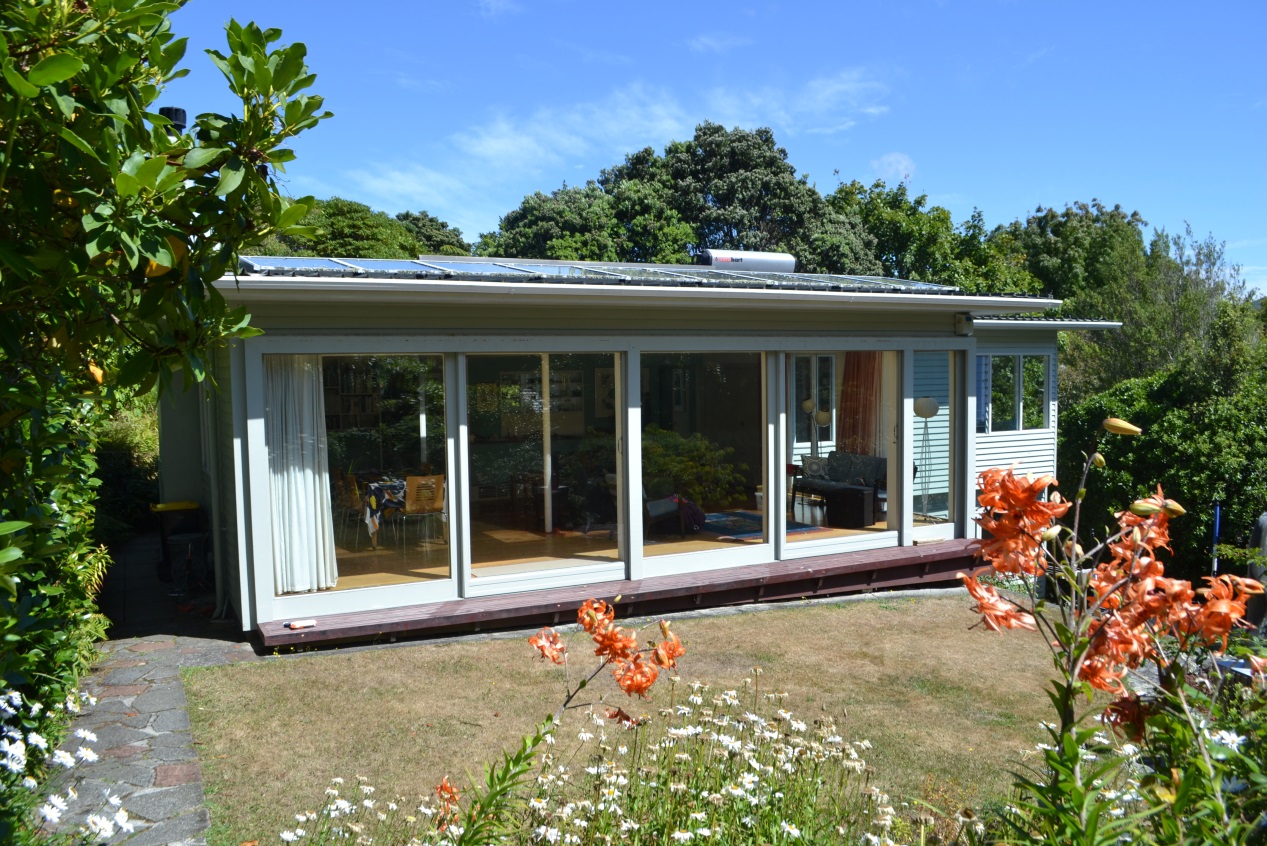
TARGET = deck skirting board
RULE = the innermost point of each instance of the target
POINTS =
(826, 575)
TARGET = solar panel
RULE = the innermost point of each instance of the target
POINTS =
(292, 263)
(474, 268)
(389, 265)
(562, 270)
(588, 273)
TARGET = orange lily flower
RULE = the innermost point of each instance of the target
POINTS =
(594, 614)
(636, 676)
(669, 650)
(622, 718)
(996, 612)
(1015, 517)
(615, 643)
(551, 645)
(449, 797)
(1126, 716)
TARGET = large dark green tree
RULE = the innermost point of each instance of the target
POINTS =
(434, 236)
(342, 228)
(113, 227)
(575, 223)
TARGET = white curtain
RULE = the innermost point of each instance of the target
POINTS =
(299, 476)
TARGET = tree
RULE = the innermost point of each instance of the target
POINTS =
(434, 236)
(911, 241)
(347, 229)
(113, 227)
(571, 223)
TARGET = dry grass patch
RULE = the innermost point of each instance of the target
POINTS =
(948, 710)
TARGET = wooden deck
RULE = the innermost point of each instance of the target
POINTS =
(855, 572)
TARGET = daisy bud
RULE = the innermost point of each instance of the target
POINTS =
(1118, 426)
(1144, 508)
(1098, 460)
(1173, 509)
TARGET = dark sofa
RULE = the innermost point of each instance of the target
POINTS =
(851, 485)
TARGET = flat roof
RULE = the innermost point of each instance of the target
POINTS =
(459, 278)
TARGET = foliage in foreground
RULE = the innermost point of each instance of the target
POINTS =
(1193, 772)
(113, 227)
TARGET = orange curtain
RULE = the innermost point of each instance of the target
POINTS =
(859, 413)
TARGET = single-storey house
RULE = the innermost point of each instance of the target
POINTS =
(434, 433)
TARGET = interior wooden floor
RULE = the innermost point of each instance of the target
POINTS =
(497, 550)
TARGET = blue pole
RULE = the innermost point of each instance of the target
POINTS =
(1215, 546)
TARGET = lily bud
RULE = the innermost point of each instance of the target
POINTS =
(1173, 509)
(1144, 508)
(1051, 533)
(1073, 551)
(1118, 426)
(1055, 497)
(1098, 460)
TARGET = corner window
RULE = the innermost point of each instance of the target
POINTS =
(1012, 392)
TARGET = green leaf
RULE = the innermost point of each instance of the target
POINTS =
(230, 176)
(136, 368)
(58, 67)
(78, 143)
(10, 553)
(10, 526)
(200, 157)
(148, 173)
(17, 82)
(126, 184)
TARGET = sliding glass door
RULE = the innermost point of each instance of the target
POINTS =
(359, 485)
(841, 450)
(543, 462)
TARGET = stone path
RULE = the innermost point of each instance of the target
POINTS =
(147, 754)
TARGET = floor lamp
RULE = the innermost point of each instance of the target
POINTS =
(925, 408)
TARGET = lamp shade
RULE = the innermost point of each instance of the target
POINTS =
(822, 418)
(807, 406)
(926, 407)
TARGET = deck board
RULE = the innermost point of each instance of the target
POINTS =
(826, 575)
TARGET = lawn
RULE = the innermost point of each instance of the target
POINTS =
(948, 709)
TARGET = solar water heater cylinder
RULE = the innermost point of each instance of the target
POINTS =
(741, 260)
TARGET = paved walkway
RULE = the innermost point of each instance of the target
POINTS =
(147, 753)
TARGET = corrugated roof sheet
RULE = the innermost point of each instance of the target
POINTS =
(582, 273)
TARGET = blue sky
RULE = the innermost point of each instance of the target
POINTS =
(462, 108)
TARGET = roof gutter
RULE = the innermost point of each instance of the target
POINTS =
(259, 289)
(1038, 323)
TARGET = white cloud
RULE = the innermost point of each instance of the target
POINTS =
(481, 171)
(495, 8)
(894, 167)
(717, 43)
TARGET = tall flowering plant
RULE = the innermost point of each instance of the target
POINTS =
(1119, 615)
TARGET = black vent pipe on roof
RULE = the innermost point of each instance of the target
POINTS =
(176, 116)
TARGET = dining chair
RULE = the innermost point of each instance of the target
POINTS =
(351, 505)
(424, 501)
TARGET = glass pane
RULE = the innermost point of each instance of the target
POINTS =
(382, 421)
(702, 464)
(803, 401)
(984, 394)
(839, 486)
(1003, 393)
(933, 436)
(542, 442)
(1034, 391)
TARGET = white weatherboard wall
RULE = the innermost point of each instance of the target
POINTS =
(1033, 450)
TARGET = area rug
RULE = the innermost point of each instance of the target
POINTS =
(746, 525)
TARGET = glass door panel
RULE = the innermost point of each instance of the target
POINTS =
(543, 462)
(702, 452)
(382, 419)
(933, 436)
(846, 403)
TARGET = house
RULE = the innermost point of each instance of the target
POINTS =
(426, 434)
